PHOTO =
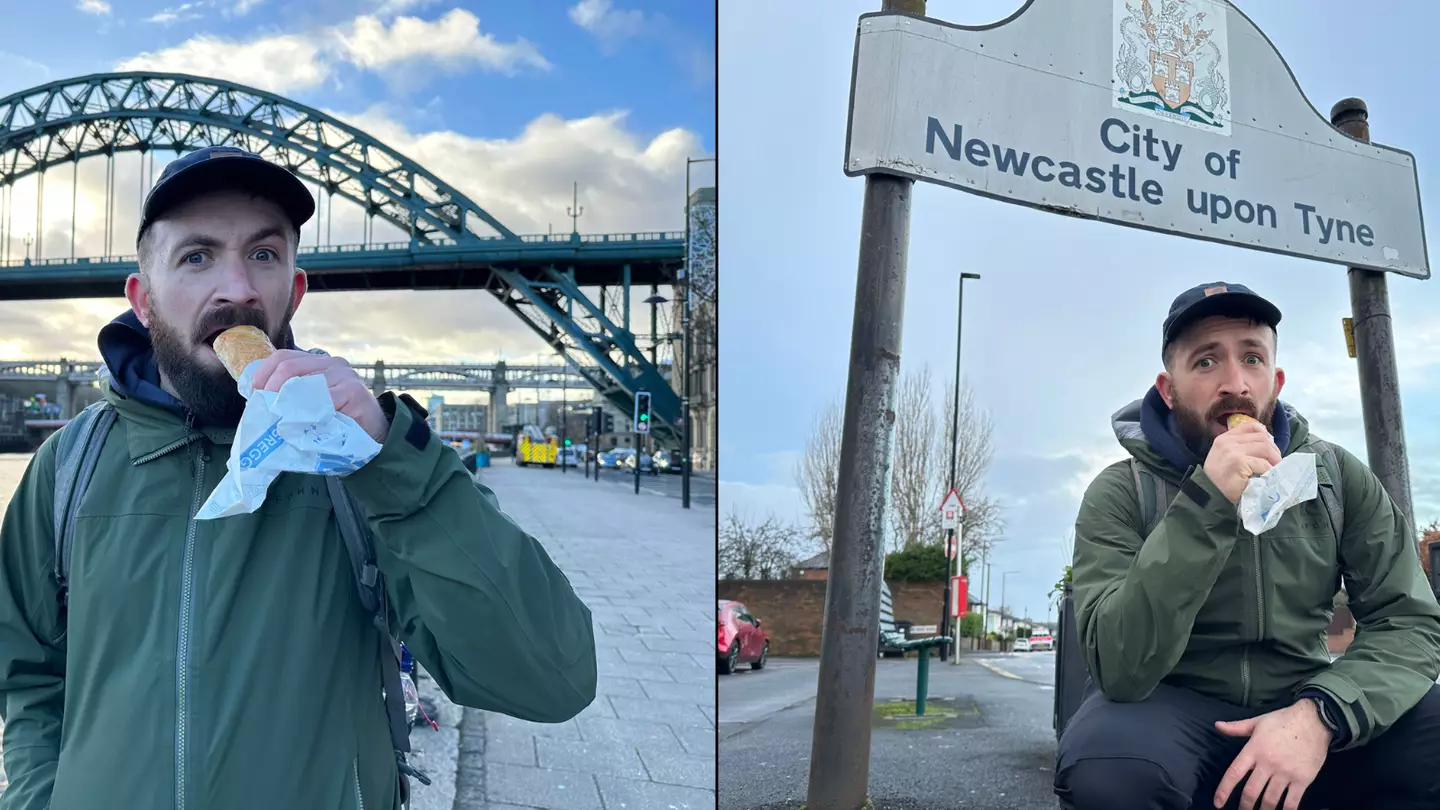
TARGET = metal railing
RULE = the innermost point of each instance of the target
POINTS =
(445, 244)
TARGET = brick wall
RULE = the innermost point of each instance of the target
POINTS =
(792, 611)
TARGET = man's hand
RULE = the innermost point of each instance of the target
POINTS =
(1285, 752)
(1238, 455)
(349, 393)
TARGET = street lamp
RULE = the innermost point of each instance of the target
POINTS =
(954, 452)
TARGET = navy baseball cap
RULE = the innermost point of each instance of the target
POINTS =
(215, 168)
(1216, 298)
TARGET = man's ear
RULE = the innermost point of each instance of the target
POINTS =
(1279, 380)
(1166, 386)
(137, 292)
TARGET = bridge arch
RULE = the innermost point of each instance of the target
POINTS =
(104, 114)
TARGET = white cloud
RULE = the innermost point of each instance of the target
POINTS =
(181, 13)
(625, 181)
(98, 7)
(285, 63)
(608, 24)
(282, 64)
(454, 41)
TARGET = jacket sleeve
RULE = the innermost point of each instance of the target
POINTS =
(1395, 657)
(32, 657)
(478, 601)
(1136, 598)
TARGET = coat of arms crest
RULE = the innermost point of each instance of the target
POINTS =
(1172, 61)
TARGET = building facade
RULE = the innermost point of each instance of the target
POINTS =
(704, 370)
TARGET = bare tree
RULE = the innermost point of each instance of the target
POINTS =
(817, 473)
(974, 452)
(915, 477)
(757, 551)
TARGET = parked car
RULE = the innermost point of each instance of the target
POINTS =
(739, 638)
(1021, 645)
(1042, 642)
(615, 457)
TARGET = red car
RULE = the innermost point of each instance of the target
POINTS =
(739, 638)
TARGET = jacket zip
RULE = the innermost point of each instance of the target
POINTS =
(1259, 622)
(1259, 593)
(187, 593)
(359, 797)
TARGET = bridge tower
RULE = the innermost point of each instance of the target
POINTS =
(65, 389)
(378, 386)
(497, 414)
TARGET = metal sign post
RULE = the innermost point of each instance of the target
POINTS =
(952, 512)
(1374, 342)
(845, 689)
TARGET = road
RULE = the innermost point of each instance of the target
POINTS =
(668, 485)
(999, 756)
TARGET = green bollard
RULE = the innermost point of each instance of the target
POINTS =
(922, 682)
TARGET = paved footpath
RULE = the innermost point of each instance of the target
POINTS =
(646, 568)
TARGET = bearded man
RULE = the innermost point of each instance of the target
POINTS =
(1211, 681)
(230, 664)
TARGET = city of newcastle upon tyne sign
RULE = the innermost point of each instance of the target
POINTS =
(1172, 115)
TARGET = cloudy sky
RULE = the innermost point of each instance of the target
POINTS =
(510, 102)
(1064, 327)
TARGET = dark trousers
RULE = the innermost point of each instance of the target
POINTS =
(1165, 753)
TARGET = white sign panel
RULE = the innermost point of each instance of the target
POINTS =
(1175, 116)
(952, 510)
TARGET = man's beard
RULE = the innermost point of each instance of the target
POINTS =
(1197, 430)
(209, 392)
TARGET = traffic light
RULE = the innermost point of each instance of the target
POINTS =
(642, 412)
(568, 442)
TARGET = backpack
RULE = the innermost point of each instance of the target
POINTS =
(1155, 493)
(80, 442)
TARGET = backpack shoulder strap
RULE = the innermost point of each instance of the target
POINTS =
(78, 449)
(360, 545)
(1332, 496)
(1153, 492)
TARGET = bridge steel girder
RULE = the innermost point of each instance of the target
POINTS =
(539, 302)
(103, 114)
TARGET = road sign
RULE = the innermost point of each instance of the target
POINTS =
(923, 630)
(952, 511)
(958, 596)
(1184, 121)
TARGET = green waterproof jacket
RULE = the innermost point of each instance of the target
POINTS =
(1205, 605)
(228, 664)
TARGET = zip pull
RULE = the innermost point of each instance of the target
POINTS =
(189, 419)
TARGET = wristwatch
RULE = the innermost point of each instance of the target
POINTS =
(1325, 718)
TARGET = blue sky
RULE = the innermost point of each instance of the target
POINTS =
(1064, 327)
(510, 102)
(655, 59)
